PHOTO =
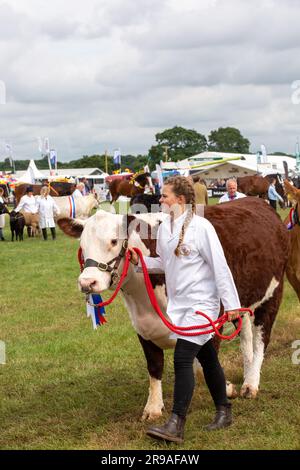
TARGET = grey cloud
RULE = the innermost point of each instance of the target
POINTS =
(128, 69)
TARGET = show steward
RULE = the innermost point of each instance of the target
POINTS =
(273, 195)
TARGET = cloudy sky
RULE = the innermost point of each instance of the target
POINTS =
(100, 74)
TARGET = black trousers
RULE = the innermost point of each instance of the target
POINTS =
(273, 203)
(53, 233)
(185, 353)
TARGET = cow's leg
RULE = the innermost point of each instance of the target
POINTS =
(155, 364)
(261, 329)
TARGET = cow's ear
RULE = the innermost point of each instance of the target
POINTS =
(71, 227)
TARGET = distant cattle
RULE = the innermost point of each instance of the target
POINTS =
(257, 185)
(56, 189)
(256, 246)
(293, 267)
(17, 224)
(130, 188)
(32, 223)
(80, 207)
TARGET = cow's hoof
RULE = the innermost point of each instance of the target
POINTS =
(248, 391)
(231, 390)
(151, 414)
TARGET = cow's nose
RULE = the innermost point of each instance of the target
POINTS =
(86, 285)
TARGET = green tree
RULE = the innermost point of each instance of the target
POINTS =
(228, 139)
(156, 154)
(180, 142)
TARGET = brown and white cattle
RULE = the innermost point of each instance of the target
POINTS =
(81, 206)
(256, 246)
(293, 266)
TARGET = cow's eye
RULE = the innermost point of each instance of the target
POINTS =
(114, 242)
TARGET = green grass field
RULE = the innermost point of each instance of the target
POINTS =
(65, 386)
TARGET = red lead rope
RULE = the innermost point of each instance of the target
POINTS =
(179, 330)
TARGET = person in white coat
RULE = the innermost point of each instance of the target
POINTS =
(47, 208)
(27, 202)
(27, 206)
(232, 192)
(79, 190)
(197, 278)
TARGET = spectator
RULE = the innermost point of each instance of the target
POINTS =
(86, 189)
(273, 194)
(232, 193)
(79, 190)
(200, 191)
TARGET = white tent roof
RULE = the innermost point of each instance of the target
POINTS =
(32, 174)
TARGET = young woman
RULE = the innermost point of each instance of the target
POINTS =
(47, 208)
(197, 278)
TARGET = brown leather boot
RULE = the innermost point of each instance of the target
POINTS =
(171, 431)
(223, 418)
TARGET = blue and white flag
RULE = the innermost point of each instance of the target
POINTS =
(53, 158)
(117, 157)
(96, 313)
(264, 154)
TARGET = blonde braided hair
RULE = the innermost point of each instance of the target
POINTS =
(182, 186)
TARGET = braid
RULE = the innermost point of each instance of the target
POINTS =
(182, 186)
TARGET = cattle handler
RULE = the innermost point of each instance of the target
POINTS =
(197, 278)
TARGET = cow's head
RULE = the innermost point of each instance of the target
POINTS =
(102, 241)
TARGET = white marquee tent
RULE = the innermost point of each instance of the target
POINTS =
(32, 174)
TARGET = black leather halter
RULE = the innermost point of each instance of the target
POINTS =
(106, 267)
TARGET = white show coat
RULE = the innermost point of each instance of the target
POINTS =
(28, 204)
(197, 281)
(46, 208)
(226, 198)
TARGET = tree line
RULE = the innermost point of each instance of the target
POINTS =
(172, 144)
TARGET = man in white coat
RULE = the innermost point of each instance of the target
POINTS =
(197, 278)
(232, 192)
(47, 208)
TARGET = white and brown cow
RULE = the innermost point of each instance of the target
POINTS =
(256, 246)
(81, 206)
